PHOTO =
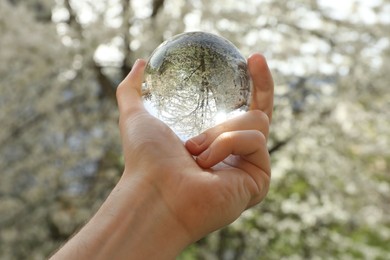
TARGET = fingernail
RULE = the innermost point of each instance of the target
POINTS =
(203, 156)
(138, 62)
(198, 140)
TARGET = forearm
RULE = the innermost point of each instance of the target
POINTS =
(133, 223)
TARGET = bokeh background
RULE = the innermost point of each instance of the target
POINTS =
(60, 154)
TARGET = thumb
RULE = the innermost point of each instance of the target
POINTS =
(128, 93)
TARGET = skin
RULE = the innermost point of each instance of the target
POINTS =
(171, 195)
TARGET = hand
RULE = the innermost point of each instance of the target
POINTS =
(165, 198)
(231, 172)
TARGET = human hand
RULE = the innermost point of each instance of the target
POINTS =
(231, 171)
(166, 199)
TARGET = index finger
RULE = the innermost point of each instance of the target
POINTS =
(263, 85)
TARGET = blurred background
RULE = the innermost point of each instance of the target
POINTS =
(60, 154)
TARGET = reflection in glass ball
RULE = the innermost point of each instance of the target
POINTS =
(194, 81)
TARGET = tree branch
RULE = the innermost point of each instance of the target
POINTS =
(280, 144)
(126, 25)
(106, 85)
(156, 7)
(73, 20)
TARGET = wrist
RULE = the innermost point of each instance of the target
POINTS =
(149, 227)
(133, 223)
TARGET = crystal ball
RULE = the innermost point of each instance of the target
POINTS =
(194, 81)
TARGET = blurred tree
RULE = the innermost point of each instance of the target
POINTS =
(59, 145)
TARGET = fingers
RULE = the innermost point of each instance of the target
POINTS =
(263, 85)
(252, 120)
(250, 145)
(245, 150)
(129, 90)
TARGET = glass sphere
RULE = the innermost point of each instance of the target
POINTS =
(194, 81)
